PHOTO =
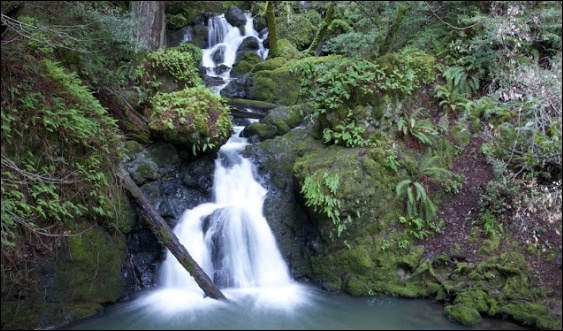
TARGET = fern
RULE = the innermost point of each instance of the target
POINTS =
(422, 129)
(457, 78)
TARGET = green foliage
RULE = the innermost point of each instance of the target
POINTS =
(491, 226)
(496, 196)
(194, 117)
(180, 65)
(96, 40)
(347, 134)
(59, 149)
(422, 129)
(345, 91)
(457, 78)
(391, 160)
(418, 202)
(419, 228)
(373, 28)
(320, 193)
(414, 189)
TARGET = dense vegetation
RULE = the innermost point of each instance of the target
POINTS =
(489, 69)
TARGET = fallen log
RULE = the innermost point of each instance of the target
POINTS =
(165, 234)
(247, 108)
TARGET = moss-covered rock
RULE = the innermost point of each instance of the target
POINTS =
(365, 189)
(279, 121)
(92, 270)
(170, 69)
(270, 64)
(296, 235)
(245, 64)
(195, 119)
(277, 86)
(463, 314)
(287, 50)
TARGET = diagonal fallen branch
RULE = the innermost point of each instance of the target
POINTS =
(164, 233)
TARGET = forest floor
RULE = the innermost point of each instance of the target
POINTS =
(537, 234)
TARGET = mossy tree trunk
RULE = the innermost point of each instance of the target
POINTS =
(317, 44)
(164, 233)
(272, 34)
(151, 32)
(133, 124)
(385, 44)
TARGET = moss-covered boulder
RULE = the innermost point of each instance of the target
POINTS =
(195, 119)
(279, 121)
(170, 69)
(84, 274)
(245, 64)
(287, 50)
(363, 193)
(463, 314)
(277, 85)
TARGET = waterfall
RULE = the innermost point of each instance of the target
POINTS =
(224, 41)
(229, 237)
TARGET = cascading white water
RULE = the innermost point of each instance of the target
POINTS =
(230, 238)
(224, 41)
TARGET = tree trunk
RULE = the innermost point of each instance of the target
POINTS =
(317, 44)
(151, 32)
(385, 45)
(133, 124)
(164, 233)
(272, 34)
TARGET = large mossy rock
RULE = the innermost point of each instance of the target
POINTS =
(275, 81)
(170, 69)
(84, 275)
(194, 119)
(277, 122)
(274, 85)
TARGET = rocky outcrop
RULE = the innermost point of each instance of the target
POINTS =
(173, 182)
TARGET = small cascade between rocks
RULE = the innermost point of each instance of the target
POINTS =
(226, 44)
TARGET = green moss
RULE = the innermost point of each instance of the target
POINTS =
(359, 260)
(270, 64)
(125, 212)
(264, 131)
(279, 121)
(193, 118)
(169, 69)
(463, 314)
(357, 286)
(475, 298)
(91, 273)
(277, 86)
(532, 314)
(287, 50)
(246, 64)
(489, 246)
(132, 148)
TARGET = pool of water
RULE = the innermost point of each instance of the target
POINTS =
(249, 309)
